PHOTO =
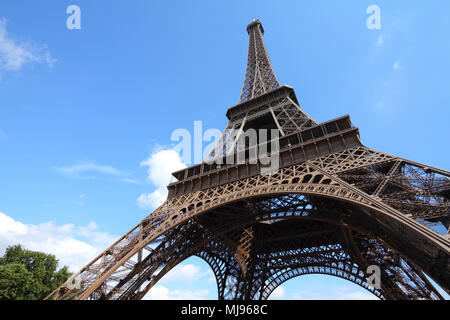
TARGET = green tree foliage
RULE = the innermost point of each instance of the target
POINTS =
(29, 275)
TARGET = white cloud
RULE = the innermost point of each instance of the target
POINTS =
(348, 293)
(278, 293)
(333, 293)
(212, 278)
(77, 170)
(355, 295)
(186, 273)
(159, 292)
(185, 281)
(151, 200)
(160, 165)
(74, 246)
(9, 226)
(14, 53)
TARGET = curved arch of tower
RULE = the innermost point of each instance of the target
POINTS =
(326, 204)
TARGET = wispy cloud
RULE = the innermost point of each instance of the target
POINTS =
(388, 97)
(132, 181)
(16, 53)
(377, 48)
(386, 77)
(80, 200)
(77, 170)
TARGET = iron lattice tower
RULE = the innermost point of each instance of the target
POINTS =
(334, 207)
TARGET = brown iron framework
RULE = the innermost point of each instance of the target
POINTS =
(334, 207)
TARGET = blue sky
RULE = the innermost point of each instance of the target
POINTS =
(86, 115)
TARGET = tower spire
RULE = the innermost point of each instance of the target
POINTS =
(259, 75)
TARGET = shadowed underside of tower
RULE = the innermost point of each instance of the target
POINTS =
(333, 206)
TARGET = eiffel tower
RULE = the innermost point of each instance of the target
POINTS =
(332, 207)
